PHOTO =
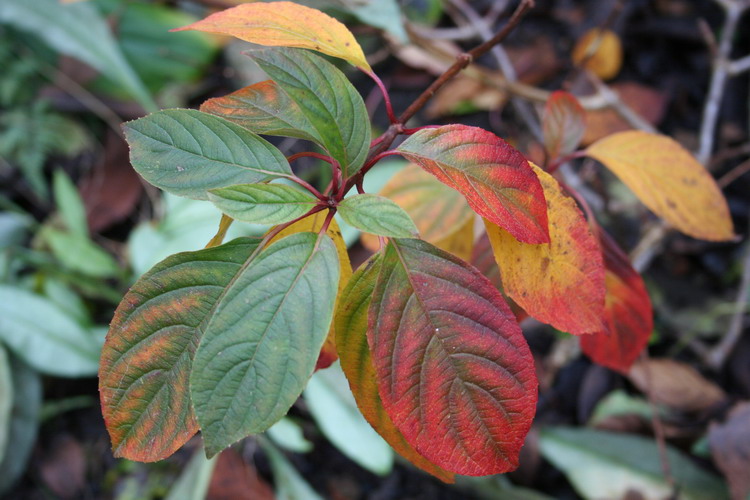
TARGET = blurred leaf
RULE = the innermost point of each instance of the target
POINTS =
(290, 485)
(55, 408)
(498, 487)
(333, 407)
(600, 51)
(285, 24)
(77, 30)
(44, 336)
(607, 465)
(383, 14)
(618, 403)
(24, 424)
(288, 434)
(69, 204)
(730, 446)
(80, 254)
(563, 125)
(668, 180)
(67, 300)
(13, 228)
(6, 400)
(193, 482)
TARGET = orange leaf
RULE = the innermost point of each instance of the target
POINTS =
(627, 310)
(600, 51)
(561, 282)
(313, 224)
(563, 125)
(669, 181)
(285, 24)
(440, 213)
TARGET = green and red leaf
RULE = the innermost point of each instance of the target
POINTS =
(628, 313)
(260, 347)
(148, 354)
(560, 283)
(454, 372)
(494, 177)
(356, 361)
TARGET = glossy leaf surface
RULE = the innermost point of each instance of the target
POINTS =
(187, 152)
(262, 203)
(495, 178)
(669, 181)
(148, 354)
(454, 371)
(263, 108)
(356, 361)
(563, 125)
(561, 282)
(377, 215)
(328, 100)
(628, 314)
(261, 345)
(285, 24)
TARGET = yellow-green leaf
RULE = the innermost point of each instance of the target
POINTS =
(285, 24)
(669, 181)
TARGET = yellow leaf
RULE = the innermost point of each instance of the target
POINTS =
(669, 181)
(313, 224)
(561, 282)
(600, 51)
(285, 24)
(440, 213)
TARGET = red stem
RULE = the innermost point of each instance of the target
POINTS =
(327, 222)
(386, 96)
(335, 169)
(410, 131)
(564, 159)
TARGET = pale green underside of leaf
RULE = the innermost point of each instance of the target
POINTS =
(146, 360)
(77, 30)
(44, 336)
(262, 203)
(187, 152)
(326, 97)
(606, 465)
(264, 108)
(6, 400)
(377, 215)
(261, 346)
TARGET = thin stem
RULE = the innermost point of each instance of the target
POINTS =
(310, 154)
(564, 159)
(307, 186)
(410, 131)
(739, 66)
(276, 230)
(335, 170)
(386, 96)
(327, 222)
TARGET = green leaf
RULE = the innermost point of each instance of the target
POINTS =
(334, 410)
(261, 345)
(77, 30)
(187, 152)
(377, 215)
(193, 483)
(147, 357)
(264, 108)
(262, 203)
(80, 254)
(606, 465)
(290, 485)
(24, 423)
(70, 205)
(6, 400)
(44, 336)
(288, 434)
(328, 100)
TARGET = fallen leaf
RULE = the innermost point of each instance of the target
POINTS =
(235, 479)
(561, 282)
(285, 24)
(647, 102)
(563, 124)
(675, 384)
(669, 181)
(600, 51)
(730, 447)
(465, 94)
(63, 468)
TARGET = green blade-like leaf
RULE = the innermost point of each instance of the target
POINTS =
(328, 100)
(606, 465)
(6, 400)
(262, 203)
(187, 152)
(77, 30)
(79, 253)
(261, 346)
(70, 205)
(146, 359)
(377, 215)
(44, 336)
(264, 108)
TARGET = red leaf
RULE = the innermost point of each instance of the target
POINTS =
(627, 313)
(496, 180)
(454, 371)
(563, 125)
